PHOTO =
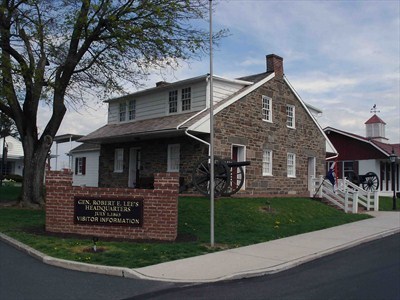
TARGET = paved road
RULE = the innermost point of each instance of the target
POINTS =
(367, 272)
(23, 277)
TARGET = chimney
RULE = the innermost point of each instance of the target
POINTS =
(275, 64)
(161, 83)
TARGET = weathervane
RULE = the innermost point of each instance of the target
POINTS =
(374, 109)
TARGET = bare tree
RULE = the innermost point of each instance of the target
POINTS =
(56, 50)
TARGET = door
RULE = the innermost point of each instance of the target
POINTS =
(238, 154)
(134, 167)
(311, 172)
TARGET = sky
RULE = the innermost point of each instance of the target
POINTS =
(342, 57)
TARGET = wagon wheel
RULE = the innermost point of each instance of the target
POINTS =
(201, 176)
(236, 182)
(371, 182)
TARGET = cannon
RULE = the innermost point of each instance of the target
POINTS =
(369, 181)
(228, 176)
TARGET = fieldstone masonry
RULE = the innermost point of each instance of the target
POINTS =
(160, 207)
(240, 124)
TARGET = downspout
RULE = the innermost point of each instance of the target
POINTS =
(195, 115)
(332, 157)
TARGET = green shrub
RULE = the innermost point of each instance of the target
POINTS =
(14, 177)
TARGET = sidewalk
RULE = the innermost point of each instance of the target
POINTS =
(259, 259)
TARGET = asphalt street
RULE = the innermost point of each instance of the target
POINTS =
(370, 271)
(24, 277)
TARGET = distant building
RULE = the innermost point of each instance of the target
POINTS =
(85, 165)
(14, 157)
(359, 155)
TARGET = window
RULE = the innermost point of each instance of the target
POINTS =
(132, 110)
(266, 108)
(267, 163)
(186, 95)
(291, 165)
(119, 160)
(173, 158)
(290, 121)
(80, 166)
(173, 101)
(122, 111)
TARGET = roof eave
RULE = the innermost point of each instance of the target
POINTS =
(247, 90)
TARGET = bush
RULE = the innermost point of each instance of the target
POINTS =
(14, 177)
(8, 182)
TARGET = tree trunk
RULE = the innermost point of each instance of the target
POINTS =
(35, 154)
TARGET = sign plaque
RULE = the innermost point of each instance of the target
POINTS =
(99, 211)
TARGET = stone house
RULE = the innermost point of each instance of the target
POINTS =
(258, 118)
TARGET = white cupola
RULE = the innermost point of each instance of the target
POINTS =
(375, 129)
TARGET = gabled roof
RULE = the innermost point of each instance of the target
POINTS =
(193, 121)
(135, 130)
(201, 122)
(374, 120)
(384, 148)
(85, 147)
(170, 85)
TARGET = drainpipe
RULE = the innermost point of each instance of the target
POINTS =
(192, 117)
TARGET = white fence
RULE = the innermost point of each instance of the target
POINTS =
(344, 194)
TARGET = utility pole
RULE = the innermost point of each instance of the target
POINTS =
(212, 169)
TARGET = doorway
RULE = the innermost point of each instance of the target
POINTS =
(311, 172)
(134, 167)
(238, 154)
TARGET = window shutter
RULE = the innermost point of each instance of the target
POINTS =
(83, 165)
(76, 166)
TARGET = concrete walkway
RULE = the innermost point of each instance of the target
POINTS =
(255, 260)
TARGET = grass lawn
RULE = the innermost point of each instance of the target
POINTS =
(386, 204)
(238, 222)
(9, 193)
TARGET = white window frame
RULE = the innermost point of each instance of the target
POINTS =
(186, 99)
(266, 105)
(80, 165)
(267, 162)
(173, 102)
(118, 160)
(291, 165)
(173, 158)
(132, 109)
(290, 116)
(122, 111)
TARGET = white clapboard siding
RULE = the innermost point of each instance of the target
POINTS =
(155, 105)
(91, 177)
(223, 89)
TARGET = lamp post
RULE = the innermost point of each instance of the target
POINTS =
(392, 158)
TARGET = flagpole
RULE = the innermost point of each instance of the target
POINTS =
(212, 171)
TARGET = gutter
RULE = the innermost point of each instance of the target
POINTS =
(195, 115)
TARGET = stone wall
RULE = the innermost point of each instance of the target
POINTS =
(153, 159)
(241, 124)
(160, 207)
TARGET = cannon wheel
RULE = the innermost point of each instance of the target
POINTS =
(370, 182)
(236, 182)
(201, 176)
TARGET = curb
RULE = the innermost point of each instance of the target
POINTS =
(132, 273)
(305, 259)
(68, 264)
